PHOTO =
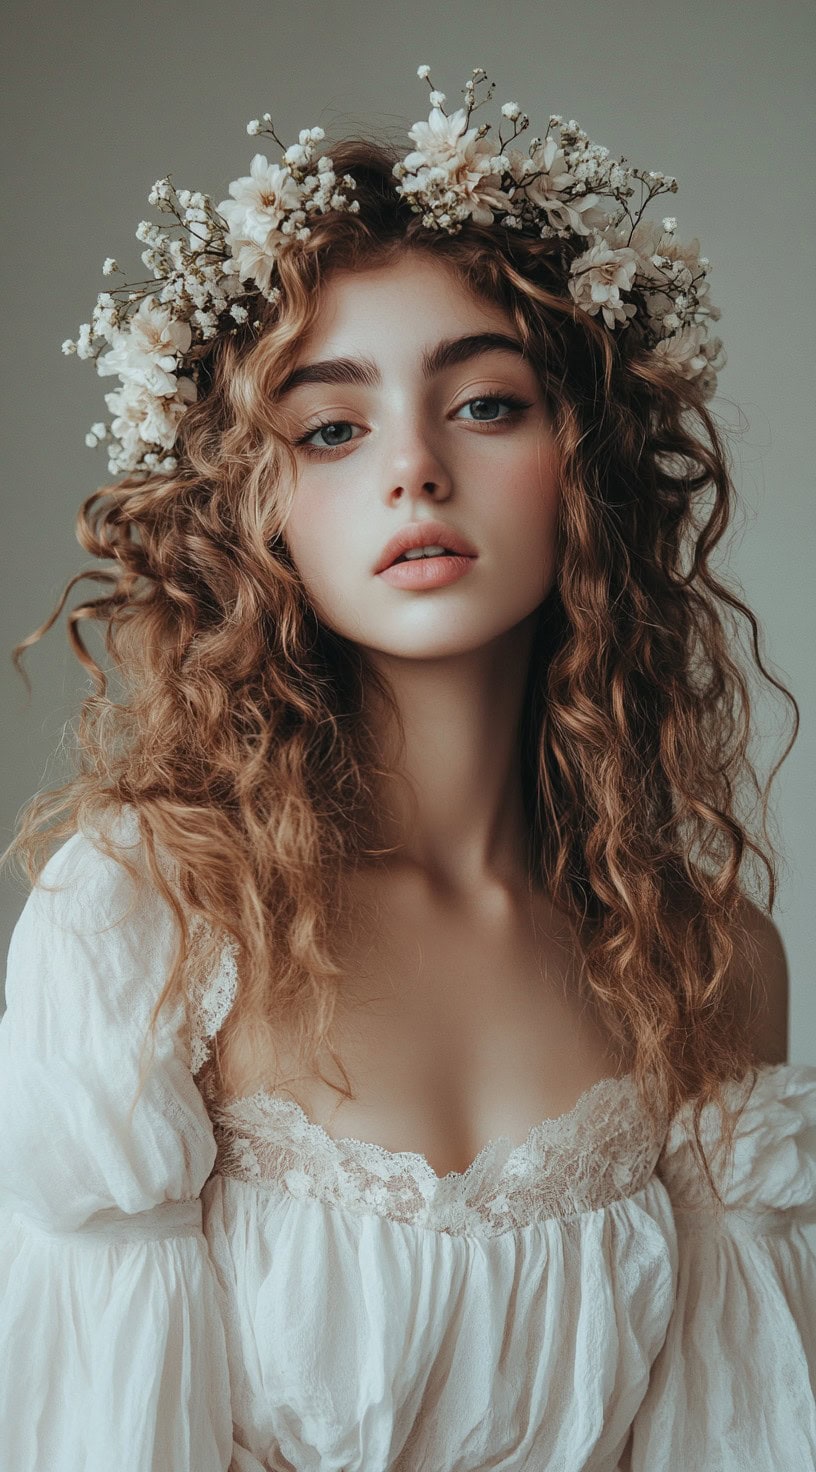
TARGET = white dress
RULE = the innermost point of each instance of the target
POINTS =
(197, 1291)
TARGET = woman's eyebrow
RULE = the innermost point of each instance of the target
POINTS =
(448, 353)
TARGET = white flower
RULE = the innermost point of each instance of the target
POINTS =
(442, 141)
(550, 191)
(208, 323)
(139, 418)
(148, 232)
(599, 276)
(109, 266)
(714, 350)
(667, 267)
(148, 351)
(298, 155)
(423, 72)
(453, 156)
(650, 239)
(261, 203)
(252, 262)
(162, 190)
(84, 345)
(683, 350)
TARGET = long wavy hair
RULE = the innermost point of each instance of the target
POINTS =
(243, 740)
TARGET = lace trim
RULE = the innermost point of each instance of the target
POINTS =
(210, 997)
(604, 1148)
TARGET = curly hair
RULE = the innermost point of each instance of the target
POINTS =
(243, 739)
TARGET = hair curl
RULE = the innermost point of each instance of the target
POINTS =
(243, 741)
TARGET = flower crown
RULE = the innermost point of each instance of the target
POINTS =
(213, 275)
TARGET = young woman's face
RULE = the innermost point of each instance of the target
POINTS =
(412, 446)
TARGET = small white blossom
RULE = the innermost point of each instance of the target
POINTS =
(207, 322)
(83, 345)
(109, 266)
(423, 72)
(148, 232)
(160, 193)
(437, 99)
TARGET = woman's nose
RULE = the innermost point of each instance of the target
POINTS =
(414, 466)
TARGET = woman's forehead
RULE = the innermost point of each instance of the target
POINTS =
(416, 304)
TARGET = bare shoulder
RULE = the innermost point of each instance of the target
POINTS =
(759, 968)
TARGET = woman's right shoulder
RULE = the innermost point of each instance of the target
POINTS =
(95, 1116)
(91, 932)
(82, 870)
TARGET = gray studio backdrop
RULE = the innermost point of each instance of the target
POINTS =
(101, 100)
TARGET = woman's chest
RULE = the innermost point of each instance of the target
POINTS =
(456, 1026)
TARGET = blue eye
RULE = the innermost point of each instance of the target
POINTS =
(331, 424)
(491, 399)
(515, 405)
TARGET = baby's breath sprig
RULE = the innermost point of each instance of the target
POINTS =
(213, 264)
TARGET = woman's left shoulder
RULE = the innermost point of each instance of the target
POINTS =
(759, 970)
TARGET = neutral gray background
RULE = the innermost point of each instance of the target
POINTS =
(100, 100)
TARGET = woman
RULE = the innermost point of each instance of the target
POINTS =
(467, 1135)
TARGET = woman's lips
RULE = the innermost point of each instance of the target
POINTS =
(427, 572)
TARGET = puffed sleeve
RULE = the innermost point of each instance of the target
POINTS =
(112, 1345)
(734, 1385)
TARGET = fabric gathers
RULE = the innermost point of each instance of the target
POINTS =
(204, 1289)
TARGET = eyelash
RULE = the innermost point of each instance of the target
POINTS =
(322, 452)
